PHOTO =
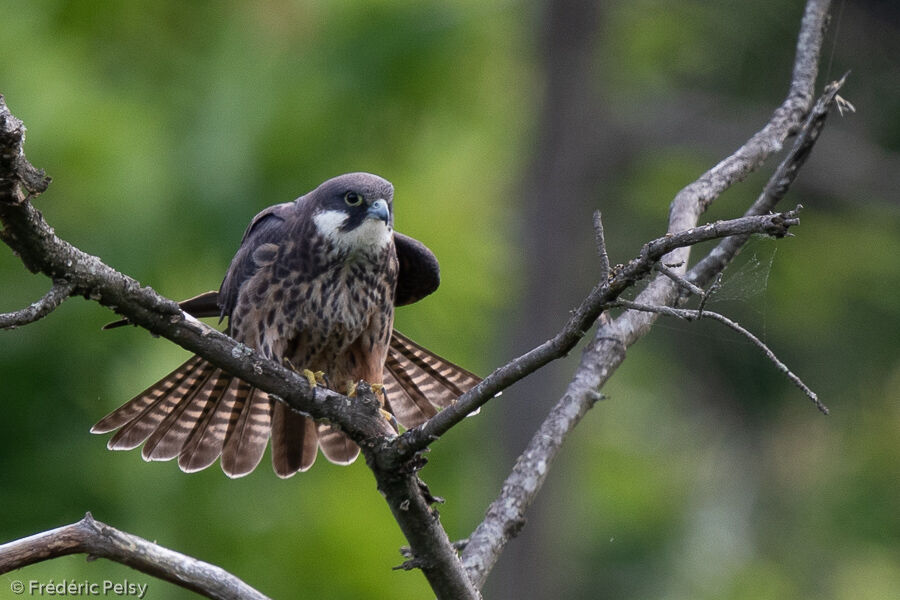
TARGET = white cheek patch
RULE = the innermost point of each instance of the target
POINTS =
(372, 235)
(329, 222)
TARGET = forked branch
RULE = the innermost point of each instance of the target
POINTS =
(607, 350)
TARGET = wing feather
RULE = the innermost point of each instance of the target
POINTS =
(190, 407)
(419, 382)
(162, 402)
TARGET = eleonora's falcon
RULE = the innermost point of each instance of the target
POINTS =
(313, 286)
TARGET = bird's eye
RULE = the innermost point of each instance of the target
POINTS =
(353, 199)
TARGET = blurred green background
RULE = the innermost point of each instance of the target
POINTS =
(167, 125)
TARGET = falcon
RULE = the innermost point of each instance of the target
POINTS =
(313, 286)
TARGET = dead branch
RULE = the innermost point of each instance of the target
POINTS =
(38, 310)
(600, 240)
(607, 350)
(583, 317)
(776, 187)
(97, 539)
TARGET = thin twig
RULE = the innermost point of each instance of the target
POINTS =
(690, 287)
(694, 315)
(38, 310)
(600, 240)
(707, 294)
(684, 283)
(97, 539)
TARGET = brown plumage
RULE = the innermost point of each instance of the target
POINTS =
(313, 285)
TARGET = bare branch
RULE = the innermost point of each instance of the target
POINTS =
(96, 539)
(694, 315)
(431, 549)
(681, 281)
(38, 310)
(776, 188)
(600, 238)
(707, 294)
(583, 317)
(607, 351)
(14, 167)
(506, 515)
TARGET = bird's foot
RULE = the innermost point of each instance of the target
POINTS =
(378, 389)
(315, 378)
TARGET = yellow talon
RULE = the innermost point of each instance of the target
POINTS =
(351, 389)
(378, 388)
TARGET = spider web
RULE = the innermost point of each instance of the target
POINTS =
(748, 279)
(743, 289)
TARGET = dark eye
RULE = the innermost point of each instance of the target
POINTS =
(353, 199)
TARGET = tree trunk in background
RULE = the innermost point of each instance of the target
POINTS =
(574, 158)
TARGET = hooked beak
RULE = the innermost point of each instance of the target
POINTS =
(379, 210)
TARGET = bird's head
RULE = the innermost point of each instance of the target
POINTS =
(355, 211)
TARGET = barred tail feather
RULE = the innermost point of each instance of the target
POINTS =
(336, 446)
(294, 441)
(246, 443)
(166, 401)
(207, 439)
